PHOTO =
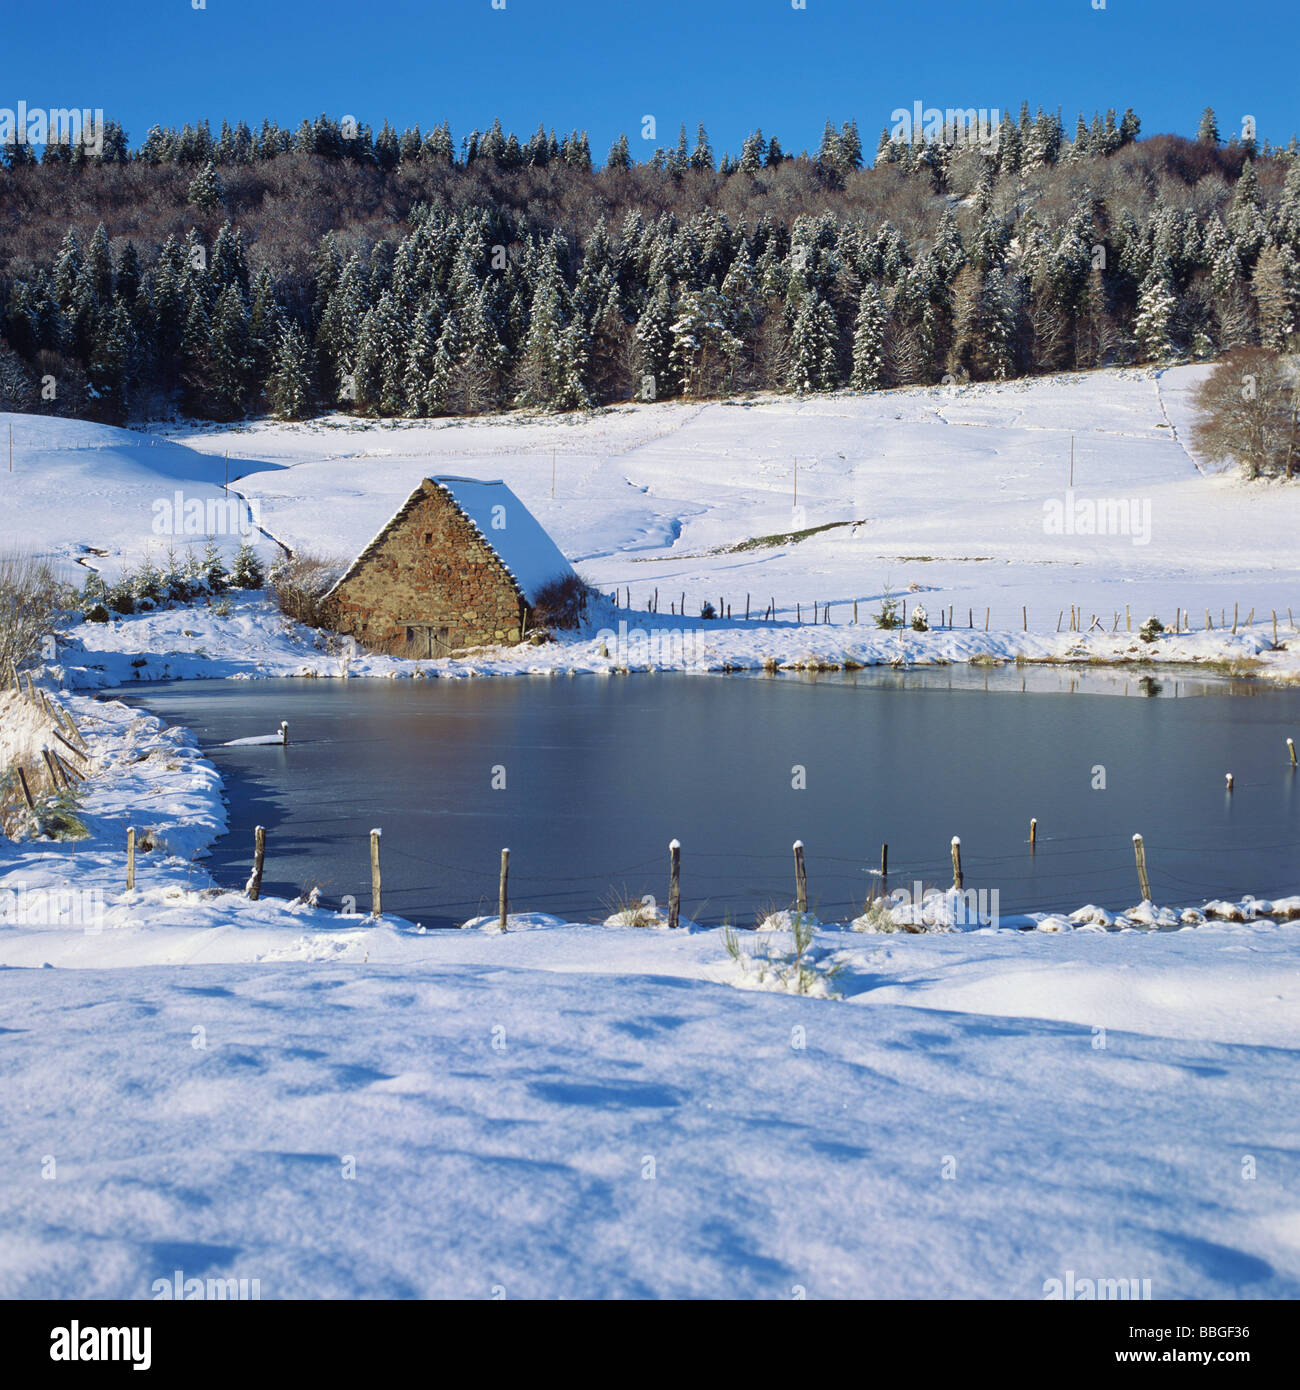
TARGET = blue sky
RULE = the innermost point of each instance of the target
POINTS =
(732, 64)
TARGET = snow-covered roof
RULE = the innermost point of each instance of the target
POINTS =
(529, 555)
(516, 535)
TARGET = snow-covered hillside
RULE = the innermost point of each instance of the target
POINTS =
(941, 489)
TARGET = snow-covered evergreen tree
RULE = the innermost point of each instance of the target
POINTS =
(206, 190)
(868, 372)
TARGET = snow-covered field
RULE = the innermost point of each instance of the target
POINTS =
(338, 1106)
(956, 499)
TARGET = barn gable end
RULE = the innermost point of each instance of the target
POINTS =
(433, 580)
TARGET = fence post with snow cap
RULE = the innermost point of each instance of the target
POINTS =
(284, 731)
(1033, 834)
(1140, 854)
(503, 892)
(674, 882)
(800, 879)
(375, 885)
(130, 853)
(1228, 779)
(254, 886)
(956, 863)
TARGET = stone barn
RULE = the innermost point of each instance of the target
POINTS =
(460, 565)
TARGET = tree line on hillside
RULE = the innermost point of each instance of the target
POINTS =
(387, 276)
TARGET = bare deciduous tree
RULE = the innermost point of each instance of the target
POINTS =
(1248, 406)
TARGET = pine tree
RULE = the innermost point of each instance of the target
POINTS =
(543, 371)
(112, 362)
(263, 325)
(620, 156)
(229, 363)
(1245, 217)
(67, 268)
(97, 269)
(289, 389)
(206, 190)
(869, 342)
(655, 339)
(1275, 285)
(752, 153)
(702, 154)
(1154, 321)
(812, 348)
(246, 570)
(1208, 130)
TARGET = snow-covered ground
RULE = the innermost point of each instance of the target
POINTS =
(338, 1106)
(956, 499)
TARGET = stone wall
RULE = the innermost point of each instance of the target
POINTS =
(428, 585)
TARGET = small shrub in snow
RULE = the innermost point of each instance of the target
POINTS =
(148, 584)
(562, 603)
(121, 597)
(1151, 629)
(301, 582)
(888, 617)
(214, 569)
(920, 619)
(628, 911)
(246, 570)
(707, 611)
(97, 613)
(30, 600)
(797, 970)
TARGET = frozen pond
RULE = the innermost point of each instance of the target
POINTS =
(586, 779)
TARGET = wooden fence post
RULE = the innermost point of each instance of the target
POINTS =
(375, 884)
(52, 768)
(884, 861)
(130, 858)
(254, 888)
(956, 863)
(1033, 834)
(503, 893)
(1140, 854)
(674, 882)
(800, 879)
(1290, 745)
